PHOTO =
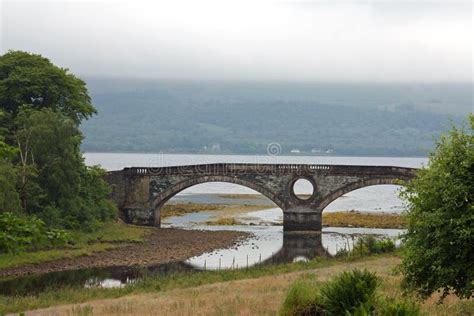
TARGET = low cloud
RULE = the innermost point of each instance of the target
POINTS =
(255, 40)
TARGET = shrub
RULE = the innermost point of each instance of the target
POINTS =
(392, 307)
(367, 245)
(348, 292)
(385, 245)
(343, 252)
(376, 245)
(301, 299)
(21, 233)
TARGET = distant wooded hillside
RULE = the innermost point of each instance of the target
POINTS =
(154, 116)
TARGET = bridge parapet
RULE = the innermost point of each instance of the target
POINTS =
(230, 168)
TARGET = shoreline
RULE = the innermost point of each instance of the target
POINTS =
(163, 245)
(231, 214)
(167, 245)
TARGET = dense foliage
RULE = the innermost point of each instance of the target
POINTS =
(42, 171)
(50, 157)
(9, 197)
(29, 79)
(349, 293)
(367, 245)
(20, 233)
(439, 242)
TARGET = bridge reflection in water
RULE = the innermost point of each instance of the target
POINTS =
(296, 247)
(299, 246)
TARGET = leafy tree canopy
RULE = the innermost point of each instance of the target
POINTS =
(439, 241)
(55, 183)
(44, 174)
(29, 79)
(9, 198)
(49, 157)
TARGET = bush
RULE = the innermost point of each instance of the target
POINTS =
(392, 307)
(21, 233)
(343, 252)
(348, 292)
(376, 245)
(368, 245)
(301, 299)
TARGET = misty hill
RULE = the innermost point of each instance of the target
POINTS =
(186, 117)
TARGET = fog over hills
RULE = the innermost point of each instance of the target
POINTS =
(342, 77)
(244, 117)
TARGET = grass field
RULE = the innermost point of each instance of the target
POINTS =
(257, 291)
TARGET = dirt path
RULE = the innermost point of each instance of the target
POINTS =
(164, 245)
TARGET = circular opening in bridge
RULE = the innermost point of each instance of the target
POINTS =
(303, 189)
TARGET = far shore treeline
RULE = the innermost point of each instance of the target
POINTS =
(46, 186)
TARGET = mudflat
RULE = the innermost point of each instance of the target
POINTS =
(161, 246)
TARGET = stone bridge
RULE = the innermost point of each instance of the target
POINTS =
(141, 192)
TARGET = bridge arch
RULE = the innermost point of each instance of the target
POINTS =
(166, 195)
(140, 192)
(354, 186)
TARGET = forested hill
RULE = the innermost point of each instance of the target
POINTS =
(180, 117)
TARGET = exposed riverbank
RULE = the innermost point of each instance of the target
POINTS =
(119, 244)
(158, 246)
(179, 209)
(240, 214)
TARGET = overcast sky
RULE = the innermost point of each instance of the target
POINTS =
(256, 39)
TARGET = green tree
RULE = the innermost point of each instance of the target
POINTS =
(32, 80)
(9, 198)
(54, 183)
(42, 107)
(50, 161)
(439, 242)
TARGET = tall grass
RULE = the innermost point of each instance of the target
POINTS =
(301, 298)
(9, 304)
(349, 293)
